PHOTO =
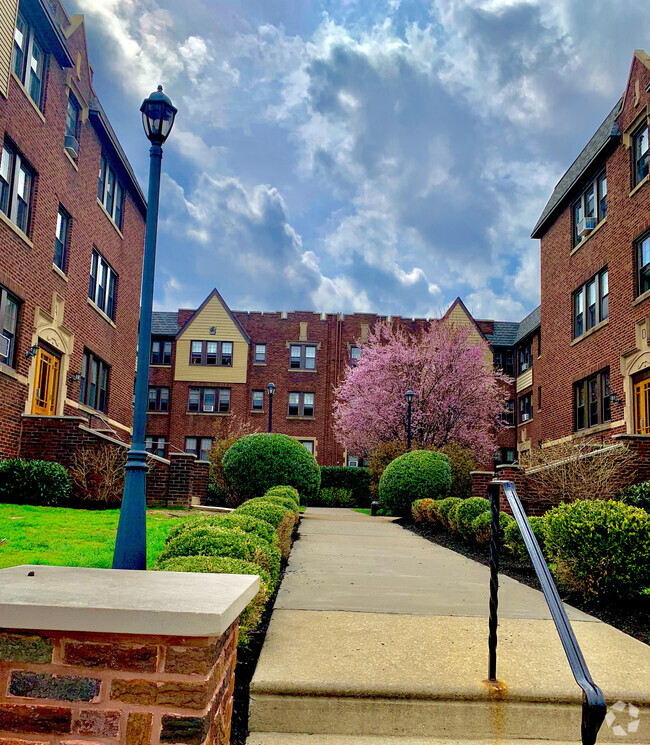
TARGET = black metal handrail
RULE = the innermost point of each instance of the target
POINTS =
(594, 708)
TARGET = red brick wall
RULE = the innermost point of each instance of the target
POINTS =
(27, 272)
(613, 245)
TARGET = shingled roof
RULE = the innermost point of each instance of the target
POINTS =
(529, 324)
(505, 333)
(607, 131)
(164, 323)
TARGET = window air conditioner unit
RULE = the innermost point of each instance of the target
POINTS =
(525, 417)
(71, 146)
(586, 225)
(4, 346)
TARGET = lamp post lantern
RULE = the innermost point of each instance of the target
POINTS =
(158, 114)
(409, 395)
(270, 389)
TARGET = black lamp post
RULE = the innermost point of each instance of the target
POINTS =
(270, 389)
(158, 115)
(409, 395)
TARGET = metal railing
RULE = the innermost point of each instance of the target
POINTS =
(594, 708)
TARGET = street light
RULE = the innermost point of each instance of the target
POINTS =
(409, 395)
(158, 114)
(270, 389)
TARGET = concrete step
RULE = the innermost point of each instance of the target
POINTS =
(392, 676)
(282, 738)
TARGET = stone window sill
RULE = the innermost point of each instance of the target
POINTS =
(575, 249)
(259, 364)
(60, 272)
(105, 211)
(71, 159)
(257, 411)
(97, 309)
(18, 82)
(302, 418)
(639, 186)
(207, 413)
(11, 373)
(594, 429)
(301, 370)
(15, 229)
(641, 298)
(163, 366)
(166, 413)
(591, 331)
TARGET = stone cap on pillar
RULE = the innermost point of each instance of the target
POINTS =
(121, 601)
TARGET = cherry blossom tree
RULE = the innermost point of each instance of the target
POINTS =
(458, 396)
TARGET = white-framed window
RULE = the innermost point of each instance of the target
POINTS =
(355, 355)
(199, 446)
(258, 401)
(16, 187)
(28, 60)
(155, 444)
(9, 305)
(591, 303)
(591, 204)
(102, 288)
(260, 353)
(308, 444)
(353, 461)
(63, 221)
(209, 400)
(211, 353)
(301, 404)
(110, 191)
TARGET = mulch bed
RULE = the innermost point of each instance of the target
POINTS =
(633, 617)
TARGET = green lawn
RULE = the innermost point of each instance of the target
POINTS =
(67, 537)
(362, 510)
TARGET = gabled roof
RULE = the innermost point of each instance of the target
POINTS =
(216, 294)
(100, 120)
(529, 324)
(505, 334)
(605, 134)
(42, 14)
(460, 303)
(164, 323)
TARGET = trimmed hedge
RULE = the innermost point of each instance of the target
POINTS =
(420, 510)
(354, 480)
(205, 540)
(257, 462)
(433, 511)
(252, 614)
(515, 543)
(247, 523)
(445, 508)
(216, 496)
(415, 475)
(466, 512)
(600, 548)
(280, 516)
(334, 496)
(482, 527)
(35, 482)
(287, 492)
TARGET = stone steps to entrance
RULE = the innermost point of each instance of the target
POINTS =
(381, 637)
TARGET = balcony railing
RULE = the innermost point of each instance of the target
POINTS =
(593, 701)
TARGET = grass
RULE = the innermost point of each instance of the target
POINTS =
(67, 537)
(362, 510)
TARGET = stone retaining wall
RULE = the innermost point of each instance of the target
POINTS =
(75, 688)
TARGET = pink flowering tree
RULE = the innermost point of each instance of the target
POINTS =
(458, 396)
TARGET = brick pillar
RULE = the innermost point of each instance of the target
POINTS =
(511, 472)
(640, 446)
(200, 478)
(179, 484)
(480, 481)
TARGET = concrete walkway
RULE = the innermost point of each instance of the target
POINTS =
(379, 633)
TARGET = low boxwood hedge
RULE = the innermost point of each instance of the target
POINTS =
(466, 512)
(252, 614)
(445, 508)
(356, 481)
(415, 475)
(334, 496)
(515, 543)
(205, 540)
(35, 482)
(420, 510)
(264, 509)
(482, 526)
(247, 523)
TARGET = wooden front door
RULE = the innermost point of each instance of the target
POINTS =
(46, 383)
(642, 407)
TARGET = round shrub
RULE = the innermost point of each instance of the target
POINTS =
(433, 512)
(466, 512)
(204, 540)
(452, 515)
(482, 527)
(515, 542)
(252, 614)
(420, 510)
(36, 482)
(600, 548)
(444, 509)
(415, 475)
(257, 462)
(263, 509)
(247, 523)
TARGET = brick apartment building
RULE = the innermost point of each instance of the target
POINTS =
(592, 362)
(71, 240)
(210, 364)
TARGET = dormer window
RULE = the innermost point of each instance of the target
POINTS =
(28, 61)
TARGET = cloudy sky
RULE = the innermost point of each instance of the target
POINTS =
(360, 155)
